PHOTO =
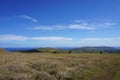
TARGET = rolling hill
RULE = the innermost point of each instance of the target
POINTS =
(3, 51)
(44, 50)
(102, 49)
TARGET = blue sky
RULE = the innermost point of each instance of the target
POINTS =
(59, 23)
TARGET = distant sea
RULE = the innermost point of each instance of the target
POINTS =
(15, 49)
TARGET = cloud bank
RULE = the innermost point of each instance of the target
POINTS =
(80, 25)
(58, 40)
(12, 37)
(61, 27)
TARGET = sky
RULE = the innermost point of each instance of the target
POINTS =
(59, 23)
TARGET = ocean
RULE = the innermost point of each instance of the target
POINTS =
(15, 49)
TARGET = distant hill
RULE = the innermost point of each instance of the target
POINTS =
(101, 49)
(3, 51)
(117, 48)
(47, 49)
(44, 50)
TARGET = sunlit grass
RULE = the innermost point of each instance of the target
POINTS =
(48, 66)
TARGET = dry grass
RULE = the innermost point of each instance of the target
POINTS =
(35, 66)
(2, 51)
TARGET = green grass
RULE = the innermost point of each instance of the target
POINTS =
(35, 66)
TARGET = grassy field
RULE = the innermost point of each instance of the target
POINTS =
(45, 66)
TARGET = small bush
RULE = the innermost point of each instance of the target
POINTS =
(43, 76)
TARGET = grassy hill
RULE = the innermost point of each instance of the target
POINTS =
(101, 49)
(47, 49)
(2, 51)
(17, 66)
(44, 50)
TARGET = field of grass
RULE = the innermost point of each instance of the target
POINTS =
(40, 66)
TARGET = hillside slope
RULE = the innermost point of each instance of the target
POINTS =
(44, 50)
(101, 49)
(17, 66)
(3, 51)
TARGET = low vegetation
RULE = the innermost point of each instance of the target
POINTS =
(35, 66)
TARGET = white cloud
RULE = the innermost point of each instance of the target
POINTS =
(12, 37)
(61, 27)
(29, 18)
(97, 23)
(47, 28)
(97, 41)
(101, 39)
(109, 24)
(80, 26)
(106, 24)
(109, 41)
(51, 38)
